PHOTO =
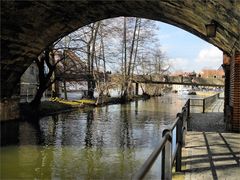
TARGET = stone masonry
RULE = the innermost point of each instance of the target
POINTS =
(27, 27)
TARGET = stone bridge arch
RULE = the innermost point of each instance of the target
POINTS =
(27, 27)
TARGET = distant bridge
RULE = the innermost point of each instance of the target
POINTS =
(179, 80)
(178, 83)
(149, 79)
(74, 77)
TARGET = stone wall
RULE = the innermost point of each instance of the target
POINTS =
(29, 81)
(9, 109)
(27, 27)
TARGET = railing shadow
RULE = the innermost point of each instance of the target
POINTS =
(173, 139)
(219, 155)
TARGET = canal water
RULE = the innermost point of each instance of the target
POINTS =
(109, 142)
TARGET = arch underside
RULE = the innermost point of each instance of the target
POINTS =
(28, 27)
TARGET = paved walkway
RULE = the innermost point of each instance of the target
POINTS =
(211, 155)
(210, 121)
(210, 152)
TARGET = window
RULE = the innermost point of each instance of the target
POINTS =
(32, 70)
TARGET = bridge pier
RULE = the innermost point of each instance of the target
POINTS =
(235, 92)
(231, 67)
(136, 88)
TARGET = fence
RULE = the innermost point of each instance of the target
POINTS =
(170, 147)
(204, 102)
(172, 141)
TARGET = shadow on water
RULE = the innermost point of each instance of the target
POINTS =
(17, 132)
(9, 138)
(89, 131)
(125, 129)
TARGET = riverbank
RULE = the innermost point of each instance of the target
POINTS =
(58, 105)
(105, 133)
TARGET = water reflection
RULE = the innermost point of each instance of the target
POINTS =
(21, 133)
(106, 142)
(89, 130)
(9, 138)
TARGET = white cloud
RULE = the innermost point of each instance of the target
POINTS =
(210, 57)
(179, 64)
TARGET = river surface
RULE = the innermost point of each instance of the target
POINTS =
(109, 142)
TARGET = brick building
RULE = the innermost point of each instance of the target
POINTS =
(211, 73)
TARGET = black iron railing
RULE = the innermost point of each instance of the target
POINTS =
(173, 139)
(170, 147)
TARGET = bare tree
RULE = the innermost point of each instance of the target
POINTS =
(46, 67)
(106, 46)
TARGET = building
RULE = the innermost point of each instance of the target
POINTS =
(71, 74)
(211, 73)
(29, 83)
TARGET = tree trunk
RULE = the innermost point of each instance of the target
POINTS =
(90, 56)
(65, 90)
(143, 91)
(103, 56)
(128, 82)
(91, 86)
(124, 88)
(136, 51)
(125, 47)
(89, 81)
(35, 103)
(44, 79)
(132, 47)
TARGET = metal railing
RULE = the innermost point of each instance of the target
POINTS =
(170, 147)
(209, 100)
(173, 139)
(204, 102)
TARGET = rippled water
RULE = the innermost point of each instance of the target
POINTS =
(109, 142)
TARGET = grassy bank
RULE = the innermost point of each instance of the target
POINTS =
(58, 105)
(53, 107)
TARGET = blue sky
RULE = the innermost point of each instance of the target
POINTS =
(186, 51)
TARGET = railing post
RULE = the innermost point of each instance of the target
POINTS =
(167, 158)
(204, 105)
(188, 109)
(188, 113)
(180, 140)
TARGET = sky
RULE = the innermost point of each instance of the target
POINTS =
(187, 52)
